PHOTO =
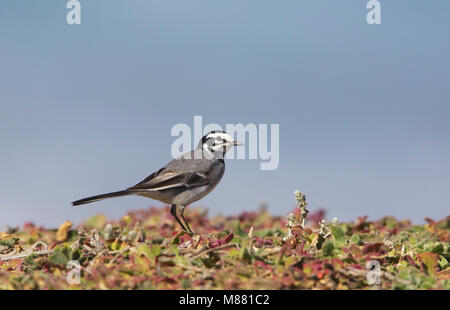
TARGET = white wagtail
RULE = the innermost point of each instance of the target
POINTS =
(184, 180)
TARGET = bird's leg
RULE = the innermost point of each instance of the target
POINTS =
(173, 211)
(182, 216)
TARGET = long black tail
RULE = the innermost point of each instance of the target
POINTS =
(100, 197)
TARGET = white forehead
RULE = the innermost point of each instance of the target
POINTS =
(220, 135)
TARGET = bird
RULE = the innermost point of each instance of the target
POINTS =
(185, 179)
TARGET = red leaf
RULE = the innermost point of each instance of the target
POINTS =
(372, 248)
(430, 221)
(213, 244)
(227, 239)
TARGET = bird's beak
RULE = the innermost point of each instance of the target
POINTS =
(235, 143)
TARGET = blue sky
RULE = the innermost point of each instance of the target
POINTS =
(363, 110)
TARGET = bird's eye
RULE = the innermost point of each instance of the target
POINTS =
(214, 144)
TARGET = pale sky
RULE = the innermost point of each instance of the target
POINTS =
(363, 109)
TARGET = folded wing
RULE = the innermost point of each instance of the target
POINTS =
(166, 179)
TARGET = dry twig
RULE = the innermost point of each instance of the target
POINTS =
(209, 250)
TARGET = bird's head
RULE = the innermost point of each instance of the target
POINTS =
(217, 143)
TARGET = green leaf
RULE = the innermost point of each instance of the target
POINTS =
(9, 242)
(327, 248)
(237, 229)
(356, 239)
(436, 247)
(427, 282)
(443, 263)
(233, 252)
(418, 229)
(244, 254)
(116, 245)
(155, 251)
(338, 236)
(175, 250)
(144, 249)
(61, 255)
(236, 240)
(186, 283)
